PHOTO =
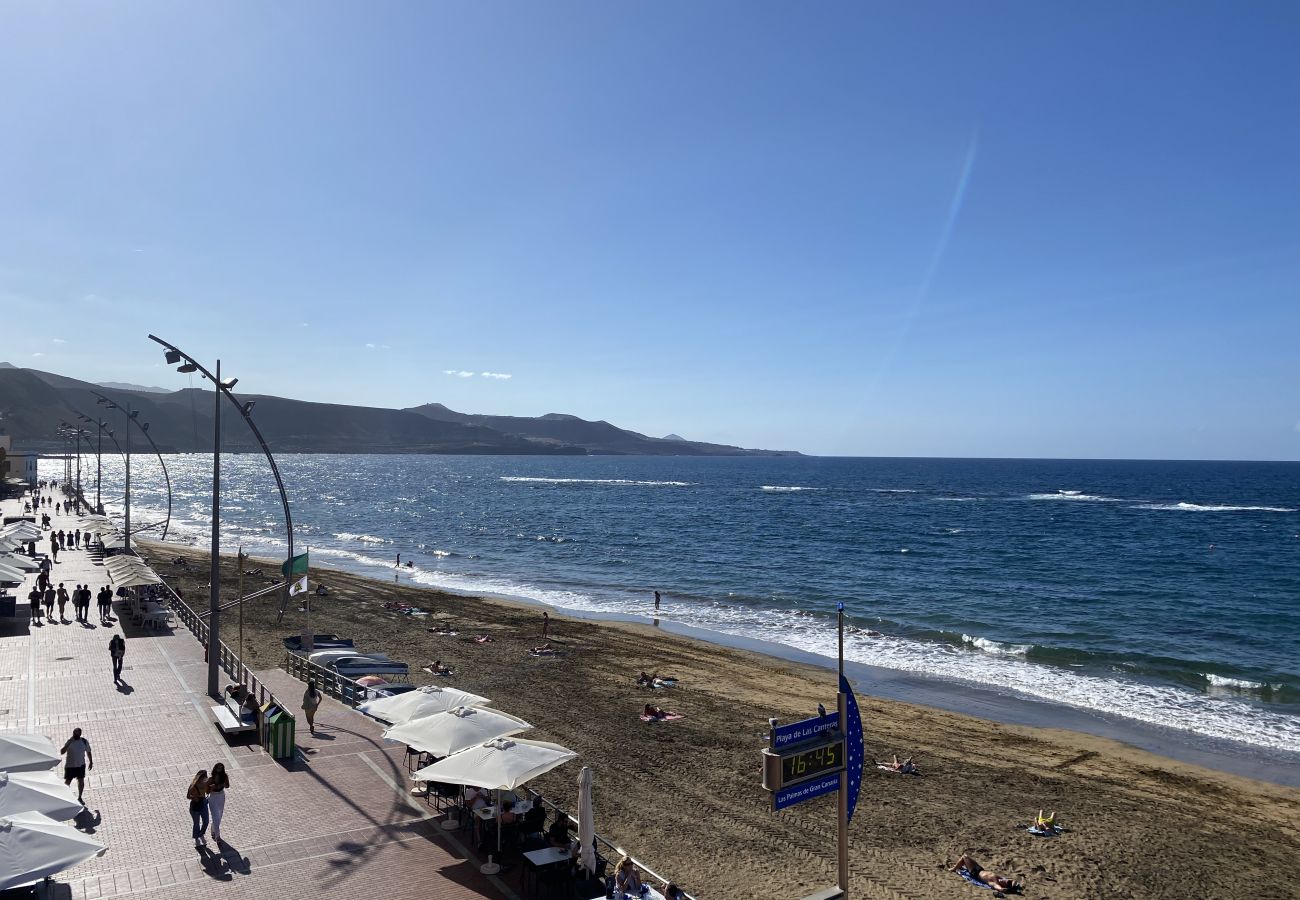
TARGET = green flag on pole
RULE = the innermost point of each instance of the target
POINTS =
(295, 566)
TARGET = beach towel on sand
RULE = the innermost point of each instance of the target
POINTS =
(975, 881)
(668, 718)
(1038, 831)
(885, 768)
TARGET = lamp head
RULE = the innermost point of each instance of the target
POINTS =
(187, 368)
(173, 357)
(248, 407)
(228, 383)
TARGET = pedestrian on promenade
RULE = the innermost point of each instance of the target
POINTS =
(49, 601)
(58, 509)
(117, 652)
(63, 600)
(546, 622)
(34, 598)
(54, 547)
(310, 703)
(105, 604)
(62, 540)
(197, 794)
(85, 603)
(77, 750)
(76, 538)
(217, 784)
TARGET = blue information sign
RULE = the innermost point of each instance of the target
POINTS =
(798, 732)
(806, 791)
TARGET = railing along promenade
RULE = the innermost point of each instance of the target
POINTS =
(348, 692)
(229, 660)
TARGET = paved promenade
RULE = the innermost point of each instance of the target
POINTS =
(336, 822)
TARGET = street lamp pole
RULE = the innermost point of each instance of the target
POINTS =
(144, 429)
(214, 571)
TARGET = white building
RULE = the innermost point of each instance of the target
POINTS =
(17, 464)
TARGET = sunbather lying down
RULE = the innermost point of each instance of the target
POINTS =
(483, 639)
(905, 767)
(655, 680)
(984, 876)
(437, 668)
(544, 650)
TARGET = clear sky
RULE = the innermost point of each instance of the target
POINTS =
(955, 229)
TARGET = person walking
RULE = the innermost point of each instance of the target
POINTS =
(117, 652)
(76, 538)
(105, 604)
(79, 758)
(218, 782)
(34, 598)
(197, 795)
(311, 699)
(49, 602)
(546, 622)
(54, 547)
(63, 600)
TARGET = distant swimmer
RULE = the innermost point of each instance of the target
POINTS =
(399, 559)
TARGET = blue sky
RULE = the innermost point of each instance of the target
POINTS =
(967, 229)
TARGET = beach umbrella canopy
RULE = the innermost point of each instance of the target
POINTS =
(501, 763)
(9, 573)
(27, 752)
(42, 792)
(18, 561)
(26, 531)
(586, 825)
(34, 846)
(443, 734)
(425, 701)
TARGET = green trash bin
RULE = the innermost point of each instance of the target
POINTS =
(278, 733)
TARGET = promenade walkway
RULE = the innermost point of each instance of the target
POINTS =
(336, 822)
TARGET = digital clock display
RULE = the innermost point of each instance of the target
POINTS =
(815, 761)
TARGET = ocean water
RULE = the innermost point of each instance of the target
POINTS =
(1163, 592)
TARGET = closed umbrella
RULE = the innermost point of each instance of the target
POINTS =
(34, 846)
(424, 701)
(27, 753)
(499, 764)
(443, 734)
(586, 825)
(42, 792)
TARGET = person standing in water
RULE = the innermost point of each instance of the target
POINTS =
(656, 601)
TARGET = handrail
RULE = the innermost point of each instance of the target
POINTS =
(347, 691)
(228, 659)
(537, 796)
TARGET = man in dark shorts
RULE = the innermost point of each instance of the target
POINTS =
(34, 598)
(79, 761)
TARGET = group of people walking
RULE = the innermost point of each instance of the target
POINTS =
(207, 799)
(45, 594)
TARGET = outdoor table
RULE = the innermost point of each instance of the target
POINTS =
(547, 856)
(488, 813)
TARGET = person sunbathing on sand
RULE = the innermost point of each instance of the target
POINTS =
(657, 712)
(483, 638)
(544, 649)
(644, 679)
(906, 767)
(437, 668)
(1046, 823)
(984, 876)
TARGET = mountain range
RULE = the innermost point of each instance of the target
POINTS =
(34, 404)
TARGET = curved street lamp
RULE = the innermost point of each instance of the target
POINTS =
(174, 355)
(144, 429)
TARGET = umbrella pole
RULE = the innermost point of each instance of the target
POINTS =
(490, 867)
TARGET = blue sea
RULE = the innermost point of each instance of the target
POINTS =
(1167, 593)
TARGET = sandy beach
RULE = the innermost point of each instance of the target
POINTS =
(684, 796)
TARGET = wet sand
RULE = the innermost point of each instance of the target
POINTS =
(684, 796)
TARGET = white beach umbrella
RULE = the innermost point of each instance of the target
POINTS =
(42, 792)
(424, 701)
(34, 846)
(18, 561)
(9, 573)
(27, 753)
(25, 531)
(443, 734)
(501, 764)
(586, 824)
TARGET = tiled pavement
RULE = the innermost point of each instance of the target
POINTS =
(336, 822)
